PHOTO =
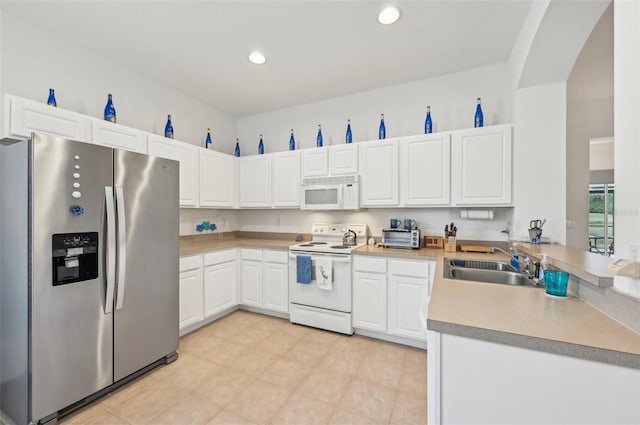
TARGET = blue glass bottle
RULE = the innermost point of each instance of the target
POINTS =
(349, 136)
(292, 142)
(52, 98)
(109, 110)
(237, 148)
(382, 131)
(428, 126)
(478, 119)
(208, 141)
(260, 146)
(168, 128)
(319, 138)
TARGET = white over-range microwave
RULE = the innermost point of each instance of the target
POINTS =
(330, 193)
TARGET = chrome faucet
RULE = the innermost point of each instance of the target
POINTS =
(520, 262)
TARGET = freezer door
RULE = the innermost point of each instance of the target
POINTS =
(71, 336)
(146, 311)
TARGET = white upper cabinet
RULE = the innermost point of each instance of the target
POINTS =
(217, 179)
(22, 117)
(315, 162)
(187, 155)
(255, 181)
(286, 179)
(343, 159)
(378, 173)
(117, 136)
(330, 160)
(424, 170)
(481, 166)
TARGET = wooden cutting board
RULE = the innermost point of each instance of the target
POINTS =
(475, 248)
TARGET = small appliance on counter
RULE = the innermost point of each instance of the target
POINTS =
(401, 238)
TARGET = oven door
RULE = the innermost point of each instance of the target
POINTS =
(321, 197)
(338, 298)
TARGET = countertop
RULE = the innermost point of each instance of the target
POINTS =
(517, 316)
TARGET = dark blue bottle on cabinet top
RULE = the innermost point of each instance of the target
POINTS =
(478, 119)
(237, 148)
(109, 110)
(292, 142)
(428, 126)
(349, 136)
(168, 129)
(319, 138)
(382, 131)
(52, 98)
(208, 141)
(260, 146)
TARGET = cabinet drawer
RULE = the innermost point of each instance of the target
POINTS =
(219, 257)
(190, 263)
(369, 264)
(281, 257)
(251, 254)
(409, 268)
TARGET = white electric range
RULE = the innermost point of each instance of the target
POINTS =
(325, 301)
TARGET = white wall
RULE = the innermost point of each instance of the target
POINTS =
(34, 61)
(627, 134)
(452, 99)
(539, 159)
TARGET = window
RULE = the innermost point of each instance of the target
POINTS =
(601, 226)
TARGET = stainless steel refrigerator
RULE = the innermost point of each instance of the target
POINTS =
(89, 272)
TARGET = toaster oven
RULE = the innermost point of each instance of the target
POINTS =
(401, 238)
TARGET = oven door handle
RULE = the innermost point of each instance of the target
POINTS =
(334, 258)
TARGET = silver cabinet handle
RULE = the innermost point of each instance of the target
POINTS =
(111, 249)
(122, 247)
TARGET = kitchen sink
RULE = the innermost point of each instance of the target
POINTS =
(485, 271)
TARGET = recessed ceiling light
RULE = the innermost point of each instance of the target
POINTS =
(389, 15)
(257, 58)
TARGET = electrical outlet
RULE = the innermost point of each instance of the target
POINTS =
(571, 224)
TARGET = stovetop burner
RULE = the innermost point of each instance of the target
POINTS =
(306, 244)
(317, 243)
(341, 246)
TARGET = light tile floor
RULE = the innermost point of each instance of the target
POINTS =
(248, 368)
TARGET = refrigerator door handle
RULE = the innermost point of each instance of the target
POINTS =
(111, 249)
(122, 247)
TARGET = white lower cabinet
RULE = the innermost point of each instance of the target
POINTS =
(190, 288)
(370, 293)
(264, 277)
(220, 282)
(391, 296)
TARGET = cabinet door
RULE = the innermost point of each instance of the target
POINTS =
(408, 303)
(275, 287)
(370, 301)
(27, 116)
(255, 181)
(379, 173)
(424, 170)
(105, 133)
(315, 162)
(481, 166)
(219, 288)
(343, 159)
(191, 303)
(286, 179)
(251, 283)
(217, 175)
(187, 156)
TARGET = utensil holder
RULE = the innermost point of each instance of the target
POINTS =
(450, 245)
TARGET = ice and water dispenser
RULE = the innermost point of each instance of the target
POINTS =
(75, 257)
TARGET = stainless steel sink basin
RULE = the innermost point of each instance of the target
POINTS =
(485, 271)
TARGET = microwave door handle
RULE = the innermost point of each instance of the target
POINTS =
(122, 248)
(340, 190)
(111, 249)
